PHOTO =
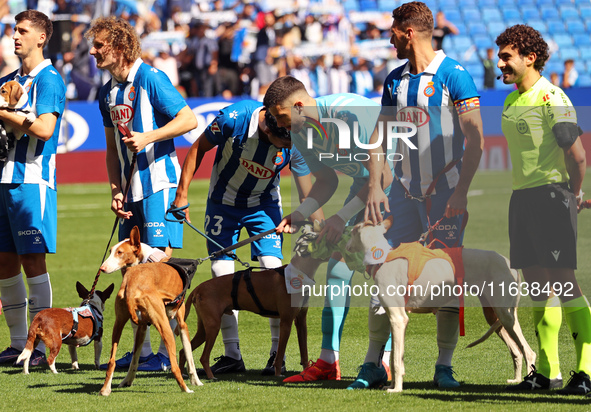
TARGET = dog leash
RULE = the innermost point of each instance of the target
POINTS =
(124, 130)
(243, 243)
(179, 216)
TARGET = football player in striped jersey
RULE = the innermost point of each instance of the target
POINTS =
(439, 96)
(142, 98)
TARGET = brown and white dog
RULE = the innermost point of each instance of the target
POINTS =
(481, 267)
(73, 326)
(213, 298)
(145, 291)
(14, 96)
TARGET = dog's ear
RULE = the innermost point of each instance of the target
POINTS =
(388, 223)
(105, 294)
(134, 237)
(82, 291)
(15, 94)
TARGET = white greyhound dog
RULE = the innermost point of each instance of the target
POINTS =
(481, 267)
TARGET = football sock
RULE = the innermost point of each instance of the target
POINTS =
(335, 307)
(229, 330)
(40, 297)
(274, 325)
(547, 317)
(578, 318)
(270, 262)
(14, 308)
(162, 348)
(329, 356)
(379, 330)
(448, 329)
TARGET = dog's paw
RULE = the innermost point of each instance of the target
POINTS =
(125, 383)
(105, 392)
(30, 117)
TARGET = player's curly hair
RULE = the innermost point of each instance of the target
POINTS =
(415, 14)
(38, 20)
(121, 37)
(280, 132)
(525, 39)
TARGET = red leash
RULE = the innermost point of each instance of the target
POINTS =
(124, 130)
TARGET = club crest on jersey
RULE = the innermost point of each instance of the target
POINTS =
(415, 115)
(214, 127)
(429, 90)
(256, 169)
(122, 113)
(131, 94)
(278, 159)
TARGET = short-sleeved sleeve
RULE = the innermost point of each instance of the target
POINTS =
(220, 129)
(51, 97)
(558, 107)
(297, 164)
(460, 84)
(164, 96)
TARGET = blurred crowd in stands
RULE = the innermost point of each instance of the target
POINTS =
(232, 47)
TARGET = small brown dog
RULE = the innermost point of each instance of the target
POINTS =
(148, 295)
(221, 295)
(73, 326)
(14, 96)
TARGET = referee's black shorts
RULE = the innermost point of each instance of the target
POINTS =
(543, 227)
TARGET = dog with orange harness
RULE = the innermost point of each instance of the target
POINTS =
(421, 292)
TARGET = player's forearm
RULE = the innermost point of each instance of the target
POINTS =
(190, 166)
(471, 124)
(470, 163)
(324, 188)
(184, 122)
(377, 157)
(42, 128)
(113, 170)
(576, 165)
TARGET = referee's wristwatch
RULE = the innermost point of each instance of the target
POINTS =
(580, 196)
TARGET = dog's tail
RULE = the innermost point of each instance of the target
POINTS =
(493, 328)
(24, 356)
(190, 301)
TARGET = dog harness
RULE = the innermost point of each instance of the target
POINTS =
(417, 256)
(86, 311)
(186, 268)
(245, 274)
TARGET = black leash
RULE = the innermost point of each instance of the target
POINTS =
(125, 132)
(179, 216)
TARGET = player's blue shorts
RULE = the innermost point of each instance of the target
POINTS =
(410, 218)
(148, 216)
(28, 218)
(223, 224)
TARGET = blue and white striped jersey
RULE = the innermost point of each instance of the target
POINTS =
(427, 100)
(32, 160)
(145, 102)
(326, 150)
(246, 169)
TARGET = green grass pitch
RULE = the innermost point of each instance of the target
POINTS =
(84, 225)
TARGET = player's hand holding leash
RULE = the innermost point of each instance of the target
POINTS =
(288, 224)
(456, 205)
(117, 206)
